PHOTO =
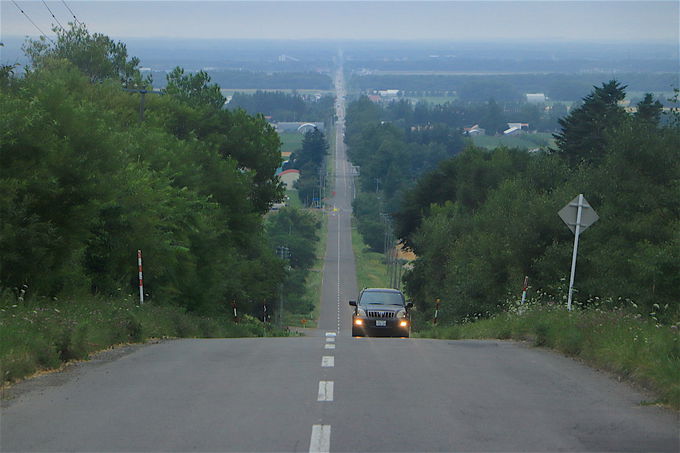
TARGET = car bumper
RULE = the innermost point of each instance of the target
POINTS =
(374, 327)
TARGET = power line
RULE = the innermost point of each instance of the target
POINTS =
(69, 10)
(53, 16)
(31, 21)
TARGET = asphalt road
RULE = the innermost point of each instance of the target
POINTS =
(330, 392)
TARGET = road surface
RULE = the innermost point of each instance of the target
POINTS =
(330, 392)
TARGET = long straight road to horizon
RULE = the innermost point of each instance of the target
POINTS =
(328, 391)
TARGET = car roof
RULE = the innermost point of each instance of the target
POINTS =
(381, 290)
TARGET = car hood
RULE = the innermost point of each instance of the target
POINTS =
(386, 308)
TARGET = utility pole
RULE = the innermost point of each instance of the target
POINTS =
(141, 99)
(283, 252)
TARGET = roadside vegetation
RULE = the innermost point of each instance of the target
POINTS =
(632, 346)
(484, 219)
(297, 234)
(86, 182)
(44, 334)
(370, 266)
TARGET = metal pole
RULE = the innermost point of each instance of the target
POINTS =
(141, 107)
(281, 305)
(573, 257)
(141, 279)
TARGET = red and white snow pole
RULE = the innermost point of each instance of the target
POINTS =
(141, 279)
(524, 289)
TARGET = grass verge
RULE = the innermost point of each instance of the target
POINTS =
(43, 335)
(370, 267)
(634, 348)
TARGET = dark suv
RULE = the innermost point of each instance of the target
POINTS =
(381, 311)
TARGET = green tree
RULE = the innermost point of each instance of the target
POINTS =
(96, 55)
(194, 89)
(493, 120)
(585, 130)
(649, 110)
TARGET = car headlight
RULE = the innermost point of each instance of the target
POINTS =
(361, 312)
(401, 314)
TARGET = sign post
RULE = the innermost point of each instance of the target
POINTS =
(578, 215)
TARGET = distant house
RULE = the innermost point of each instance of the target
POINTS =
(536, 98)
(474, 130)
(388, 94)
(374, 98)
(516, 128)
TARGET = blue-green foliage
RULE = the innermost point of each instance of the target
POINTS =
(84, 185)
(484, 220)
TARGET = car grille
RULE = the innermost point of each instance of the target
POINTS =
(380, 314)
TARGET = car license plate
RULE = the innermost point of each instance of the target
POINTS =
(380, 323)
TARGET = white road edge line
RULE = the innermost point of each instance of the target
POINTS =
(325, 391)
(321, 439)
(328, 361)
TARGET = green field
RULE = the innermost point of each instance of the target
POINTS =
(291, 141)
(526, 141)
(370, 266)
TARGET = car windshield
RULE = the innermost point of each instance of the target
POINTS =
(381, 298)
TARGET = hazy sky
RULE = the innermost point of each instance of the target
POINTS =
(454, 20)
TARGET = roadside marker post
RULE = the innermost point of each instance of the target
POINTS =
(578, 215)
(141, 279)
(436, 311)
(524, 289)
(233, 306)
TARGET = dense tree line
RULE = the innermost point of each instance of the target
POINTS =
(511, 87)
(84, 184)
(393, 145)
(488, 114)
(282, 106)
(310, 159)
(243, 79)
(483, 220)
(298, 231)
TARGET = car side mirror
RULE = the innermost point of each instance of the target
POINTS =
(353, 303)
(409, 305)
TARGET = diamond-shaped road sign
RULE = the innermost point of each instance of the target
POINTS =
(569, 213)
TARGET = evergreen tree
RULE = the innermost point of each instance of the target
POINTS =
(585, 129)
(649, 110)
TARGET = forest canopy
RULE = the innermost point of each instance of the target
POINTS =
(85, 183)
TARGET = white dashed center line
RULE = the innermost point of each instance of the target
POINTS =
(328, 361)
(329, 346)
(325, 391)
(330, 340)
(321, 439)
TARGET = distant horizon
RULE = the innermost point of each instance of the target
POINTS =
(652, 41)
(402, 21)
